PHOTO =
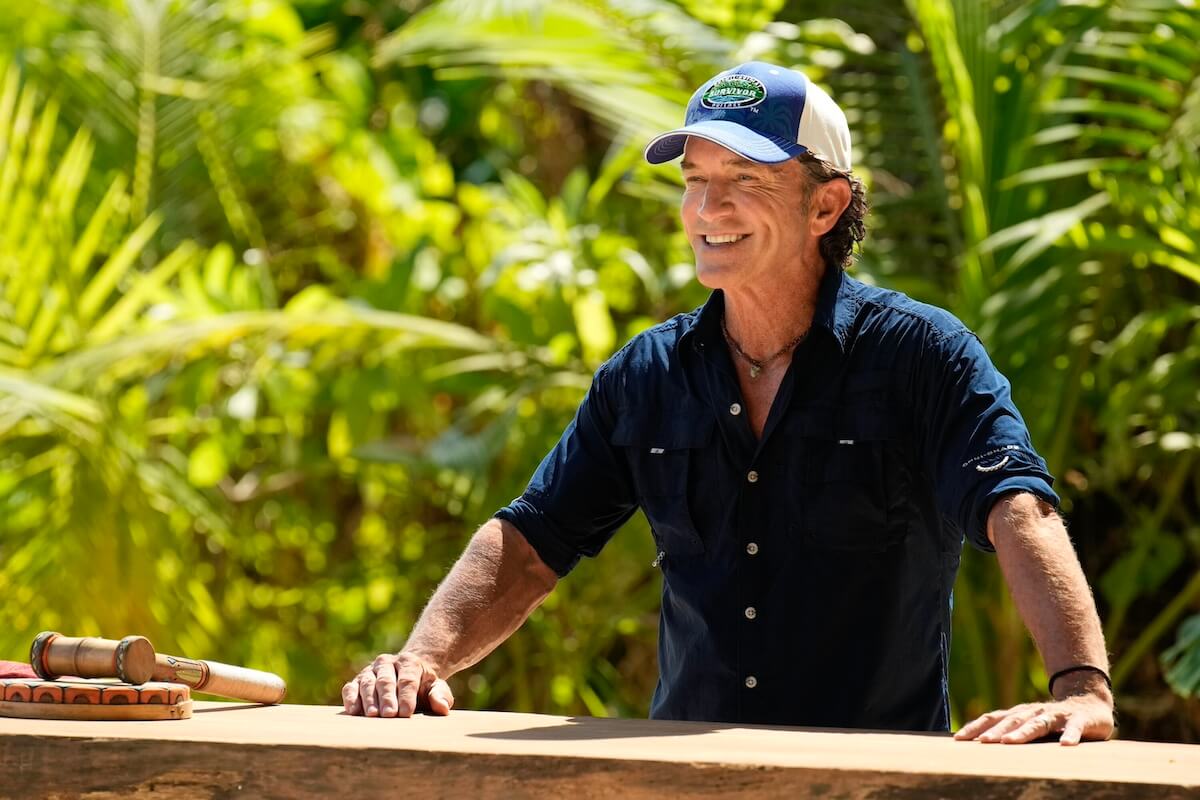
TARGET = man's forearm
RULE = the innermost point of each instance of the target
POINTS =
(1052, 595)
(1050, 590)
(496, 583)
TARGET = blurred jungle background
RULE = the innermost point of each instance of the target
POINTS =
(294, 295)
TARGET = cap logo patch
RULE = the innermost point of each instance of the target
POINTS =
(734, 91)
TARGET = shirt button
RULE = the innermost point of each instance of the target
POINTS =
(752, 548)
(752, 476)
(751, 681)
(750, 612)
(735, 409)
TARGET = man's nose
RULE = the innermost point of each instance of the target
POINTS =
(716, 202)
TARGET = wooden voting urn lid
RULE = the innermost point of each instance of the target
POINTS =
(30, 698)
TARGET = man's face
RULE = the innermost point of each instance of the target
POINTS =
(760, 207)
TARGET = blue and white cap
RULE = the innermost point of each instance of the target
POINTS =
(763, 112)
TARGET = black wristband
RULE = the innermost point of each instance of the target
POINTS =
(1078, 668)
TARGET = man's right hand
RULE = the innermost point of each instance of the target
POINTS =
(396, 685)
(489, 592)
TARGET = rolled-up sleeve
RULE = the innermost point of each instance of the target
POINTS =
(582, 491)
(975, 442)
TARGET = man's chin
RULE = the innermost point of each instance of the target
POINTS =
(713, 276)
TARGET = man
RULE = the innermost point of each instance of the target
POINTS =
(810, 452)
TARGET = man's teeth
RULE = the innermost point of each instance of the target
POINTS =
(725, 239)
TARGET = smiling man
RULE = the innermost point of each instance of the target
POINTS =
(811, 453)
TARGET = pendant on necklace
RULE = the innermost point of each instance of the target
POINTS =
(754, 370)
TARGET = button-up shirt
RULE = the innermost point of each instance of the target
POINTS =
(807, 573)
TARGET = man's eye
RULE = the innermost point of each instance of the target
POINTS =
(693, 179)
(745, 177)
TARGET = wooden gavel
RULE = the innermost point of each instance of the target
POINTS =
(133, 660)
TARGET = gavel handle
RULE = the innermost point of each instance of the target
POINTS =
(225, 680)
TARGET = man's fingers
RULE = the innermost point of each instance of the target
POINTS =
(441, 699)
(1011, 722)
(385, 688)
(1090, 726)
(979, 725)
(1035, 728)
(396, 686)
(1072, 733)
(408, 682)
(985, 723)
(350, 697)
(1001, 727)
(366, 692)
(1078, 719)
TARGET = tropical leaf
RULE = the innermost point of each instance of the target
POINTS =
(178, 87)
(97, 336)
(1182, 659)
(610, 56)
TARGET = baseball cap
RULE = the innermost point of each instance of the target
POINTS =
(762, 112)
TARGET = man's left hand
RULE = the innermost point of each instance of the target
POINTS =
(1083, 716)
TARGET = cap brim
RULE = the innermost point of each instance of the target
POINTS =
(749, 144)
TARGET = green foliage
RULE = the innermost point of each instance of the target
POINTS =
(293, 296)
(1182, 659)
(150, 413)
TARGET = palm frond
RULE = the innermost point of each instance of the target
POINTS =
(607, 55)
(174, 87)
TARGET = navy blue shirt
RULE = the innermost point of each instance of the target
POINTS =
(807, 575)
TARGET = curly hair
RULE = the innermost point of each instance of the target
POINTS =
(837, 246)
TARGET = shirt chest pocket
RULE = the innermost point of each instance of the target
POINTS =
(847, 488)
(662, 451)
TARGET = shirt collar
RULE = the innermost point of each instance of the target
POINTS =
(706, 325)
(834, 312)
(835, 305)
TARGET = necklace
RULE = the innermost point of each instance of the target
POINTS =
(756, 365)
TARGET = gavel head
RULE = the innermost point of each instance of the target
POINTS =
(53, 655)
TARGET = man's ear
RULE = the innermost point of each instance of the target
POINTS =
(829, 200)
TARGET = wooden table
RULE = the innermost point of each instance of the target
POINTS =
(229, 750)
